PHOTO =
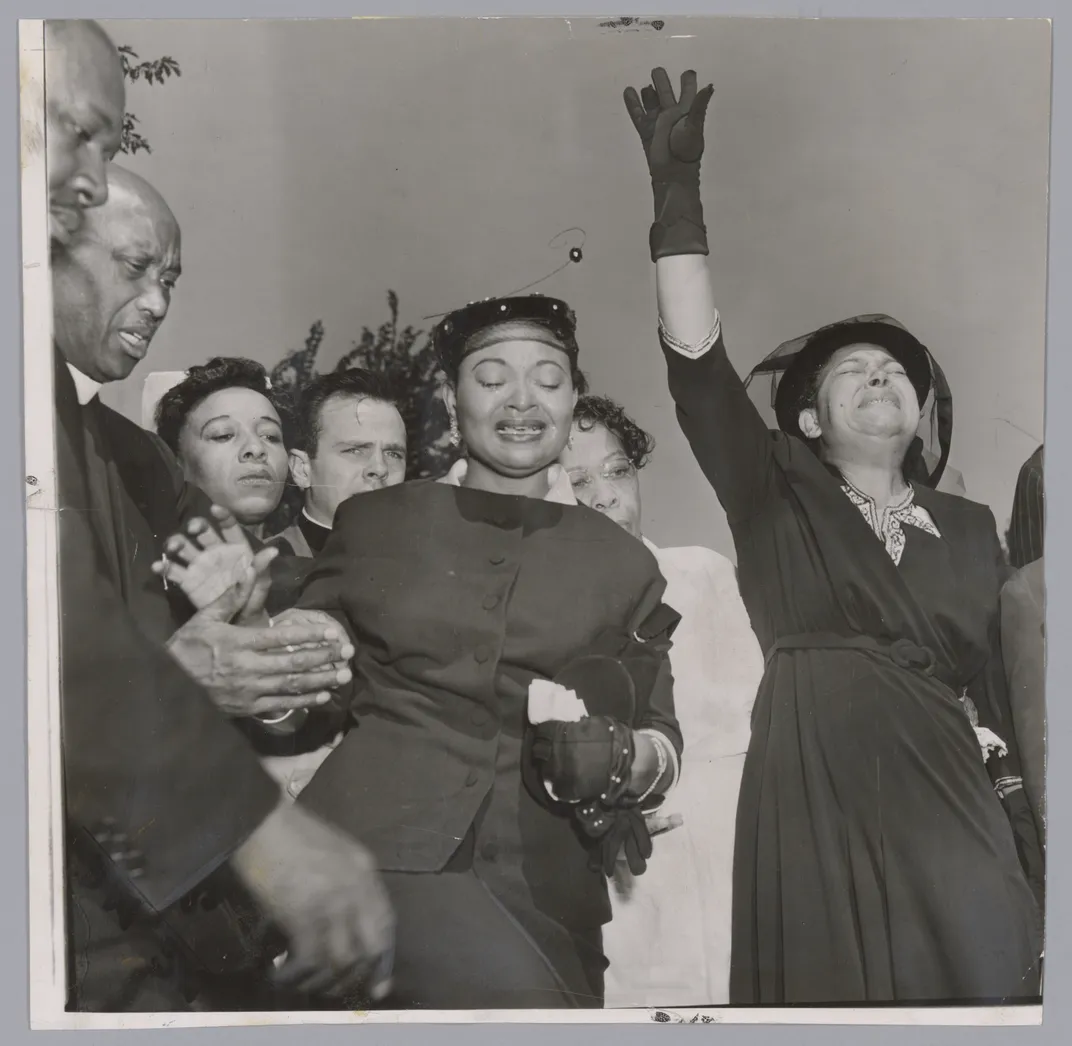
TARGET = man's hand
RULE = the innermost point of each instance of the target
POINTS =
(264, 671)
(323, 891)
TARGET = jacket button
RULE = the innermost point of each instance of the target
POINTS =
(489, 851)
(471, 778)
(496, 560)
(491, 602)
(482, 653)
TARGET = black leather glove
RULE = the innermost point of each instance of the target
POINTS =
(671, 131)
(589, 759)
(616, 829)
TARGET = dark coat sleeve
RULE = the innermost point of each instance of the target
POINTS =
(1023, 644)
(659, 712)
(989, 694)
(1028, 513)
(729, 439)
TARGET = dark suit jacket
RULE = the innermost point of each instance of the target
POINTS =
(156, 779)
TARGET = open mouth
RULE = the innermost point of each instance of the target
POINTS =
(521, 431)
(135, 342)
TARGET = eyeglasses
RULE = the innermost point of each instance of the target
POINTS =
(612, 472)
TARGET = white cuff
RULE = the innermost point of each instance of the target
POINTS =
(683, 348)
(1007, 785)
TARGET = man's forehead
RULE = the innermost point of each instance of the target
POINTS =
(359, 411)
(130, 223)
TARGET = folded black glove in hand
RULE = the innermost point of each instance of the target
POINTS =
(589, 759)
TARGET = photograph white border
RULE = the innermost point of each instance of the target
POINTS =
(46, 908)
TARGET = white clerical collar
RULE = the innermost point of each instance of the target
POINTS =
(315, 522)
(560, 489)
(85, 387)
(650, 545)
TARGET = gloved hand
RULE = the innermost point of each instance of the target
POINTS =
(671, 131)
(620, 831)
(588, 759)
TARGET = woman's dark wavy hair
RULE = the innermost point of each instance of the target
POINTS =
(599, 410)
(221, 372)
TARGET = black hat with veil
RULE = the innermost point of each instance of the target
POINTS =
(794, 365)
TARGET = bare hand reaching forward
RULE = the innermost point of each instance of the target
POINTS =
(323, 891)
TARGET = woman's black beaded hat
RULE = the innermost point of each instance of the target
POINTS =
(527, 316)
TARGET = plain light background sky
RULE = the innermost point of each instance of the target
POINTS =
(852, 167)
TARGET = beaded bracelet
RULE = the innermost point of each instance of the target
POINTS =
(664, 762)
(622, 761)
(684, 348)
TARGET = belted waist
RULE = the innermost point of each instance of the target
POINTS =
(904, 653)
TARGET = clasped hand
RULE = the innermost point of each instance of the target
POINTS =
(292, 663)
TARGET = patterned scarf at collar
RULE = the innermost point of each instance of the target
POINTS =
(888, 524)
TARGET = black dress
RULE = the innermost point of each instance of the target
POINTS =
(873, 860)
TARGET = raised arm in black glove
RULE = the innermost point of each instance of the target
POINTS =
(671, 130)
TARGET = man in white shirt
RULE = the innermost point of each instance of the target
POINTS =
(669, 941)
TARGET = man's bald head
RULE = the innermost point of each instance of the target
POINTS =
(84, 101)
(112, 285)
(131, 200)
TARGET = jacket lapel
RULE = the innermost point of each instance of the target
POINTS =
(86, 479)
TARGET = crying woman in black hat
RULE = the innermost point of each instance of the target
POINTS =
(855, 391)
(873, 859)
